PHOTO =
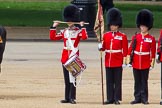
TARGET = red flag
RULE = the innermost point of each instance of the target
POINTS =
(99, 23)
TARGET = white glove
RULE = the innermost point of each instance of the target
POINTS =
(157, 58)
(129, 65)
(99, 46)
(124, 65)
(151, 68)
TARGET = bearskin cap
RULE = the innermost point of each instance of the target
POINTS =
(71, 13)
(145, 17)
(114, 17)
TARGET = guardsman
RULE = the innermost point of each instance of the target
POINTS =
(144, 56)
(74, 34)
(159, 58)
(159, 49)
(2, 43)
(115, 45)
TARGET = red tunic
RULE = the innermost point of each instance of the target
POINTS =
(75, 35)
(115, 45)
(144, 52)
(158, 49)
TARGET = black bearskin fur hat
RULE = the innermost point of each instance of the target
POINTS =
(71, 13)
(114, 17)
(145, 17)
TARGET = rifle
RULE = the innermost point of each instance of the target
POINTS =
(134, 42)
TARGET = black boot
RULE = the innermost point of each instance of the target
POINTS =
(117, 103)
(109, 102)
(65, 101)
(161, 103)
(135, 102)
(72, 101)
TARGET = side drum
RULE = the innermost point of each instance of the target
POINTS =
(75, 65)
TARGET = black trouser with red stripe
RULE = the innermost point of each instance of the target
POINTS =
(114, 83)
(70, 90)
(141, 84)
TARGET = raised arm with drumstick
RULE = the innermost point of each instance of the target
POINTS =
(82, 22)
(71, 37)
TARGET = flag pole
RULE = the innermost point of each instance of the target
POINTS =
(101, 64)
(101, 60)
(99, 26)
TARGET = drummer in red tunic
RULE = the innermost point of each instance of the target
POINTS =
(115, 45)
(71, 14)
(144, 56)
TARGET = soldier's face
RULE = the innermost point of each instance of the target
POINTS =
(143, 28)
(114, 27)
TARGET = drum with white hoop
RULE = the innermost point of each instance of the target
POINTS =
(75, 65)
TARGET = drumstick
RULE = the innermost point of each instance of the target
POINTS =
(69, 22)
